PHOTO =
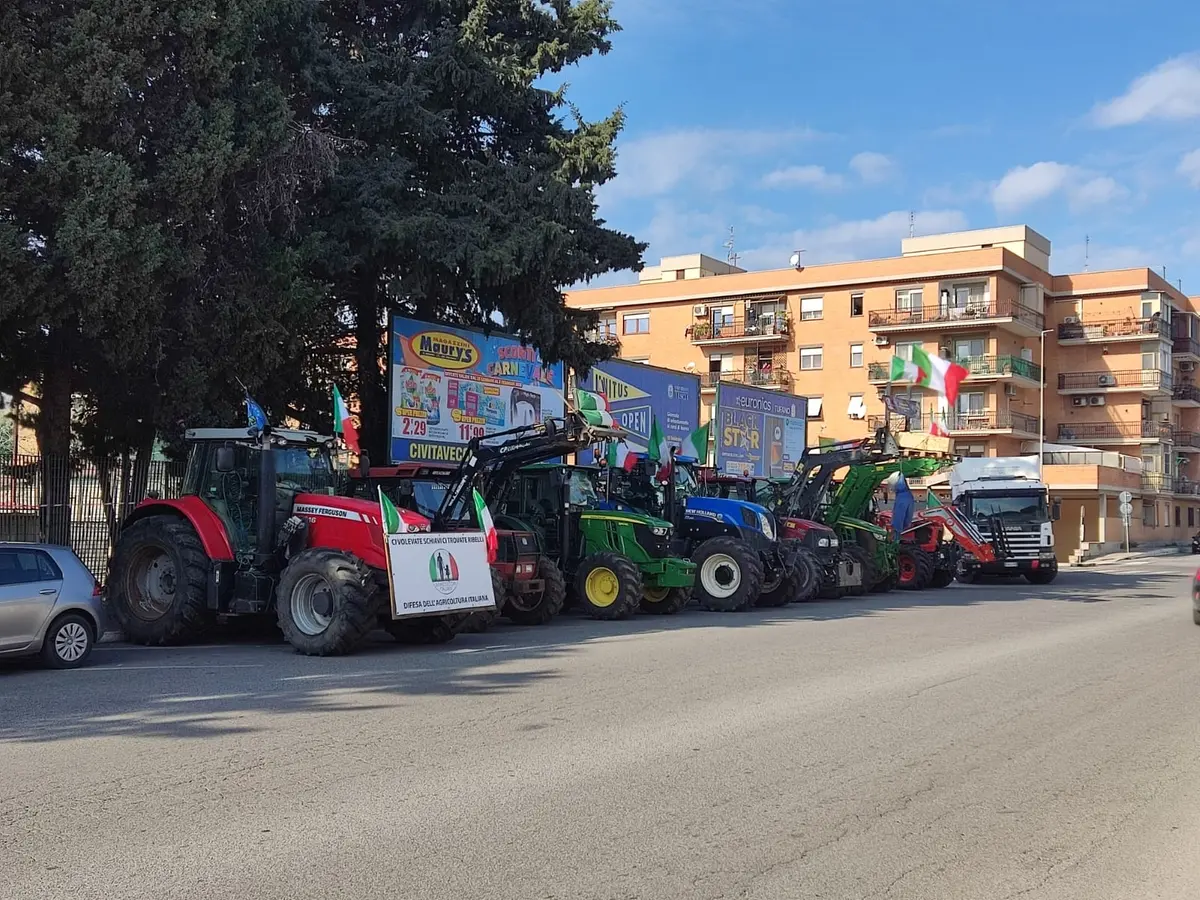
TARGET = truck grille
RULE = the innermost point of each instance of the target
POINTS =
(1021, 544)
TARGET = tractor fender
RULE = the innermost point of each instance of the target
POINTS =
(349, 525)
(203, 520)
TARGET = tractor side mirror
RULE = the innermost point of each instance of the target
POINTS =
(225, 459)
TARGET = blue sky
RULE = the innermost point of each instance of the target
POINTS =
(821, 126)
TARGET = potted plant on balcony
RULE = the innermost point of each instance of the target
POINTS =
(701, 331)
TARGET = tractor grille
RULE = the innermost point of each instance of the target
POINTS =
(512, 544)
(658, 547)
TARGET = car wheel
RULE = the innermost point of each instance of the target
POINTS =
(69, 642)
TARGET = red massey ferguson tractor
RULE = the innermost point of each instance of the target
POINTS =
(259, 528)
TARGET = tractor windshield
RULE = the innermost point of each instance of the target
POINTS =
(308, 470)
(581, 489)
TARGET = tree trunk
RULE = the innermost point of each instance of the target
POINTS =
(54, 432)
(374, 415)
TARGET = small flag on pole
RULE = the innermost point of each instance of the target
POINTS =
(593, 408)
(389, 515)
(255, 417)
(489, 527)
(343, 425)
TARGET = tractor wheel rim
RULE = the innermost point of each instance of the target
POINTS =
(311, 604)
(721, 576)
(602, 587)
(655, 595)
(908, 570)
(71, 642)
(151, 584)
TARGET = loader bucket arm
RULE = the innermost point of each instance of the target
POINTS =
(965, 534)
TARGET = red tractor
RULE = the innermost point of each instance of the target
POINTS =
(530, 584)
(259, 527)
(927, 532)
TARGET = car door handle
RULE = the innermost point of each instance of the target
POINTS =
(46, 592)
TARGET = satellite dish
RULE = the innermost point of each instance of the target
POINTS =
(690, 367)
(796, 262)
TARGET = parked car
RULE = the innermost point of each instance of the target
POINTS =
(50, 605)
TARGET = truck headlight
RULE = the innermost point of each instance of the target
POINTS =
(659, 530)
(764, 522)
(822, 542)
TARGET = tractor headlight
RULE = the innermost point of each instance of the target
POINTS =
(833, 542)
(660, 530)
(822, 542)
(764, 522)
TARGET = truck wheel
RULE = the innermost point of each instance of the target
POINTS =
(915, 568)
(480, 620)
(729, 575)
(327, 602)
(816, 575)
(862, 559)
(538, 609)
(1042, 574)
(942, 578)
(422, 631)
(609, 586)
(159, 582)
(664, 601)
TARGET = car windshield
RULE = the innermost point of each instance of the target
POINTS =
(1024, 507)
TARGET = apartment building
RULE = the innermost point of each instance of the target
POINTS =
(1097, 367)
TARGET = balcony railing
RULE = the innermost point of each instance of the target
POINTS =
(978, 366)
(767, 328)
(1155, 482)
(940, 314)
(1185, 346)
(987, 420)
(603, 336)
(1185, 390)
(1141, 379)
(1189, 440)
(1107, 329)
(1113, 431)
(775, 377)
(915, 423)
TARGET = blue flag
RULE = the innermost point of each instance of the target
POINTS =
(255, 417)
(903, 508)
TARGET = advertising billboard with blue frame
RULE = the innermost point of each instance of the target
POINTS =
(637, 394)
(448, 385)
(759, 433)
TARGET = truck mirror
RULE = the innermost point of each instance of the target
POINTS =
(1055, 510)
(225, 459)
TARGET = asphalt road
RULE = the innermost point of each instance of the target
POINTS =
(978, 742)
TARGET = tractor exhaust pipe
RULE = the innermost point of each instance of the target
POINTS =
(265, 531)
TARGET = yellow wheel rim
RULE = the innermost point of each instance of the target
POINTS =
(602, 587)
(655, 595)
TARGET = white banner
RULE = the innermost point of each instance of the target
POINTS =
(435, 574)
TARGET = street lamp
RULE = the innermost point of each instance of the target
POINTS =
(1042, 406)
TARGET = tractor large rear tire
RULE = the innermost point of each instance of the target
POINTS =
(915, 567)
(608, 586)
(540, 610)
(941, 577)
(423, 631)
(816, 573)
(729, 575)
(866, 566)
(158, 586)
(664, 601)
(327, 602)
(795, 584)
(480, 620)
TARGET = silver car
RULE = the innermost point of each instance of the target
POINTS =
(49, 605)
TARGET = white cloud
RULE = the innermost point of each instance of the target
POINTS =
(856, 239)
(1171, 91)
(1026, 185)
(657, 164)
(1189, 168)
(873, 168)
(804, 176)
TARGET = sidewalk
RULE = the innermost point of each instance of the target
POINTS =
(1111, 558)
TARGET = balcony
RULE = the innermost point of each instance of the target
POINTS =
(1148, 380)
(775, 378)
(1155, 483)
(741, 330)
(1185, 346)
(603, 336)
(1186, 441)
(986, 421)
(1107, 331)
(1101, 433)
(981, 368)
(1004, 313)
(1185, 394)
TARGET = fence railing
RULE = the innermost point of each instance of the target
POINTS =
(944, 314)
(1107, 329)
(78, 501)
(1096, 431)
(1149, 379)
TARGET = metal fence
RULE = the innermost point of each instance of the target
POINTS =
(78, 500)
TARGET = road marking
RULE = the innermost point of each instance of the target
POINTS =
(203, 699)
(213, 665)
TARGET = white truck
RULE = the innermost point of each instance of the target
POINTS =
(1008, 503)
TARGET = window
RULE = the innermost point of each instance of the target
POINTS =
(1147, 309)
(968, 298)
(1191, 516)
(1177, 517)
(721, 315)
(637, 323)
(972, 348)
(811, 358)
(680, 274)
(856, 305)
(971, 403)
(905, 350)
(607, 327)
(1149, 514)
(815, 404)
(27, 567)
(857, 408)
(1149, 361)
(976, 451)
(909, 300)
(720, 362)
(812, 308)
(856, 356)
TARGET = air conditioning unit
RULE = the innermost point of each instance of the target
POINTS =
(1107, 381)
(1079, 401)
(1071, 320)
(1187, 366)
(699, 310)
(1010, 390)
(882, 340)
(1096, 400)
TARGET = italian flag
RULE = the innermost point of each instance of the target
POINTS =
(923, 370)
(593, 408)
(342, 423)
(389, 515)
(695, 445)
(937, 429)
(618, 455)
(484, 515)
(904, 371)
(659, 450)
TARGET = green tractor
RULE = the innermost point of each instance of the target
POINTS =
(617, 561)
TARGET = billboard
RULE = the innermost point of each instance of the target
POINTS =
(758, 432)
(637, 394)
(448, 385)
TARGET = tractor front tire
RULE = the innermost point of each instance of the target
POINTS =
(422, 631)
(866, 566)
(664, 601)
(327, 602)
(609, 586)
(794, 586)
(158, 587)
(545, 607)
(941, 578)
(915, 567)
(729, 575)
(480, 620)
(816, 573)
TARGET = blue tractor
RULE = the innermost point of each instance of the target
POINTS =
(740, 561)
